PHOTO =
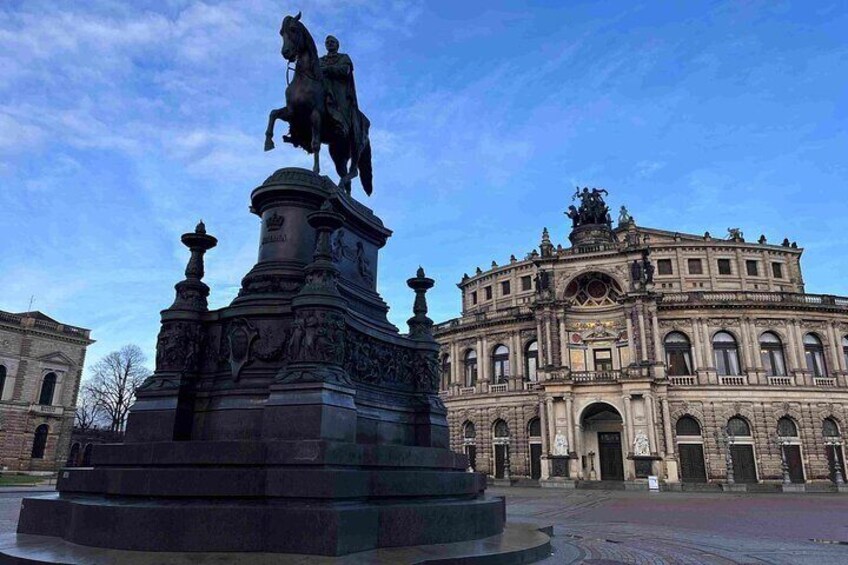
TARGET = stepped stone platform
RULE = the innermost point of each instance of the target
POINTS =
(296, 420)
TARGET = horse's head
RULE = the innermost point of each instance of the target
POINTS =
(292, 32)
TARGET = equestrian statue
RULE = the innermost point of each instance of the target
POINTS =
(321, 106)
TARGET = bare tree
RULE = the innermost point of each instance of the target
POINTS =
(113, 382)
(89, 414)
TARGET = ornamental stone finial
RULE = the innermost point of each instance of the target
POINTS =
(420, 326)
(191, 293)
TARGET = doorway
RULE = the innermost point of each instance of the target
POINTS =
(692, 467)
(535, 460)
(609, 451)
(501, 453)
(744, 466)
(793, 460)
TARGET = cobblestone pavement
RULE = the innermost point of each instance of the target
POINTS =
(607, 527)
(604, 527)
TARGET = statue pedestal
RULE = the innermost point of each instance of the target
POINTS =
(295, 420)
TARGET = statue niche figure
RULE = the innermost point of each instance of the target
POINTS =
(321, 106)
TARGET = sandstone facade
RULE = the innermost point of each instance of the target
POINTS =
(41, 364)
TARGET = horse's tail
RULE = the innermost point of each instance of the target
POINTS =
(366, 174)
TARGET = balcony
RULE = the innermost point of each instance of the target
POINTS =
(46, 410)
(595, 376)
(781, 381)
(467, 390)
(732, 380)
(824, 381)
(683, 380)
(502, 387)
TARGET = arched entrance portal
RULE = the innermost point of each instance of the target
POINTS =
(603, 428)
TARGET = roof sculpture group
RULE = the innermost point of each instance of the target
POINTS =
(321, 106)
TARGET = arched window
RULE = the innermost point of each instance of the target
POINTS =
(592, 290)
(39, 442)
(771, 354)
(678, 354)
(469, 431)
(470, 368)
(48, 385)
(73, 455)
(737, 427)
(830, 429)
(86, 455)
(534, 428)
(786, 427)
(726, 354)
(446, 371)
(501, 429)
(531, 360)
(688, 426)
(2, 380)
(500, 362)
(814, 352)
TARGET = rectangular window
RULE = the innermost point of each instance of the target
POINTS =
(724, 267)
(488, 291)
(777, 270)
(526, 283)
(695, 267)
(474, 297)
(664, 267)
(753, 268)
(505, 288)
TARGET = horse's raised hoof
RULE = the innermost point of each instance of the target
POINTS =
(269, 144)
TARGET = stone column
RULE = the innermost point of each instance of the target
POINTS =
(697, 354)
(652, 422)
(569, 420)
(643, 339)
(837, 337)
(540, 341)
(836, 363)
(455, 364)
(671, 469)
(628, 422)
(745, 339)
(546, 441)
(481, 363)
(631, 344)
(792, 346)
(549, 349)
(516, 362)
(486, 362)
(655, 327)
(563, 342)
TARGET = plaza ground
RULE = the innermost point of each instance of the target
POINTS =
(605, 527)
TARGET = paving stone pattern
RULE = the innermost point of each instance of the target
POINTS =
(604, 527)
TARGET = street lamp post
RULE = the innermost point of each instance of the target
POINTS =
(837, 464)
(724, 440)
(781, 444)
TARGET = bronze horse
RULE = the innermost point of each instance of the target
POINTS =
(306, 111)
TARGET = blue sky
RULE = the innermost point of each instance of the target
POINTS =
(123, 123)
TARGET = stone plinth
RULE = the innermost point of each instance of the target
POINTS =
(295, 420)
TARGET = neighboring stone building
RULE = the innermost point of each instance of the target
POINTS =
(635, 351)
(41, 363)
